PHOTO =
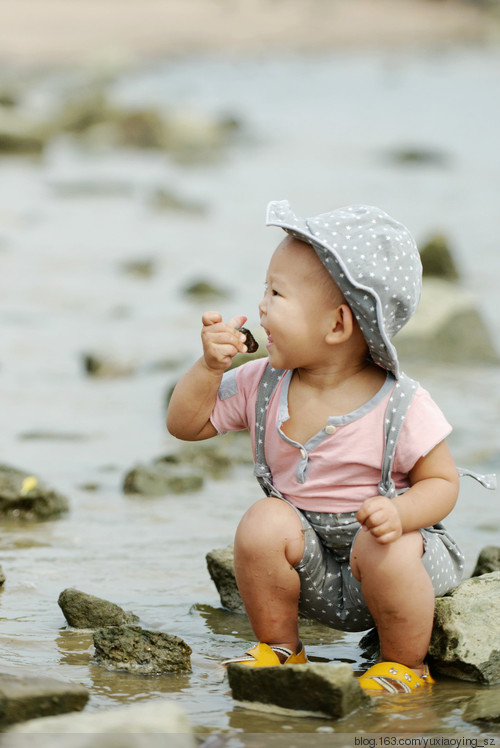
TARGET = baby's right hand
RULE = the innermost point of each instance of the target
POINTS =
(221, 340)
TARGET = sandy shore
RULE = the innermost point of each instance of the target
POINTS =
(34, 32)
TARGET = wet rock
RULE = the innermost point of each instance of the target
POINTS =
(437, 259)
(220, 564)
(143, 269)
(193, 136)
(161, 479)
(141, 129)
(79, 113)
(24, 496)
(83, 611)
(98, 366)
(213, 458)
(164, 199)
(448, 326)
(23, 698)
(203, 289)
(136, 650)
(465, 642)
(144, 717)
(419, 156)
(483, 707)
(488, 561)
(20, 134)
(320, 688)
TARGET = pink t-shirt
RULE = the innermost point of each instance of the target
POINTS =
(340, 467)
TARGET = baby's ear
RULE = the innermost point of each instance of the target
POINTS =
(341, 325)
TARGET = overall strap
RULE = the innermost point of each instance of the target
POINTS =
(267, 385)
(395, 414)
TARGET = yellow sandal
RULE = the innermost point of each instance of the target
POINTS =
(263, 655)
(394, 678)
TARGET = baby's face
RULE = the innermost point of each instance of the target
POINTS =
(295, 310)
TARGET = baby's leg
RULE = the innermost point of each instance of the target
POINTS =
(399, 594)
(269, 543)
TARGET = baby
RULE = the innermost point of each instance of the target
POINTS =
(350, 452)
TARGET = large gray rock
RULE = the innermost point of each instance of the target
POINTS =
(220, 564)
(84, 611)
(437, 259)
(488, 561)
(320, 688)
(24, 496)
(465, 641)
(145, 717)
(161, 479)
(136, 650)
(483, 707)
(23, 698)
(448, 326)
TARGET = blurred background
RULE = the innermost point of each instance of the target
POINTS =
(140, 142)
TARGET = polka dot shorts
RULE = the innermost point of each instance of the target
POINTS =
(332, 595)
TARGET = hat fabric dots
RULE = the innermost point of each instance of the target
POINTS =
(372, 258)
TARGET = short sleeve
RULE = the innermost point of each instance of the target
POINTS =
(234, 408)
(424, 427)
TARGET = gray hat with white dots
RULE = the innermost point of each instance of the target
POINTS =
(372, 258)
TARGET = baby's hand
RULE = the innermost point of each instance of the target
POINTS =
(221, 340)
(379, 516)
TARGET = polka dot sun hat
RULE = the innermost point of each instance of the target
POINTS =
(372, 258)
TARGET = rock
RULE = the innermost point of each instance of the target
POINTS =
(191, 136)
(483, 707)
(465, 641)
(220, 564)
(437, 259)
(210, 457)
(143, 269)
(488, 561)
(203, 289)
(2, 578)
(23, 698)
(159, 716)
(98, 366)
(19, 134)
(84, 611)
(136, 650)
(419, 156)
(80, 113)
(161, 479)
(447, 327)
(320, 688)
(164, 199)
(24, 496)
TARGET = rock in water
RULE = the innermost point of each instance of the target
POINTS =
(488, 561)
(320, 688)
(220, 564)
(23, 698)
(161, 479)
(25, 496)
(465, 643)
(158, 716)
(84, 611)
(139, 651)
(483, 707)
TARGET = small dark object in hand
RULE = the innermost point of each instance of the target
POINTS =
(250, 341)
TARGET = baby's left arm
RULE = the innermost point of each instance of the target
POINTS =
(433, 494)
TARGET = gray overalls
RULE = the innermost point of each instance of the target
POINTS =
(329, 591)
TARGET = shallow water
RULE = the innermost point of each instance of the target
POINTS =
(316, 131)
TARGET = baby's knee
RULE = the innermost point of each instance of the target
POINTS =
(270, 522)
(370, 558)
